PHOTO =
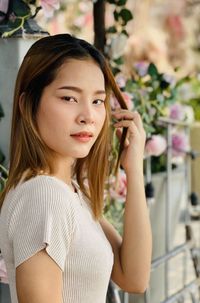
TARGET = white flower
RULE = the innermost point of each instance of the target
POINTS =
(117, 45)
(189, 113)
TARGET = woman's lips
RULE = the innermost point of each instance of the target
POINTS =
(82, 137)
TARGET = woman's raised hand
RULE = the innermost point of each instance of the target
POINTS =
(133, 153)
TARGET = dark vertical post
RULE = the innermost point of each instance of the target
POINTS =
(99, 24)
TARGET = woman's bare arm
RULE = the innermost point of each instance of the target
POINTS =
(39, 280)
(132, 252)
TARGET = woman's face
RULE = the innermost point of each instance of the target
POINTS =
(72, 110)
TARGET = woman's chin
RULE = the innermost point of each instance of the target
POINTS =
(81, 154)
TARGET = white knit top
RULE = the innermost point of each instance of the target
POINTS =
(44, 212)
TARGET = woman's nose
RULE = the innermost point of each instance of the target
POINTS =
(86, 116)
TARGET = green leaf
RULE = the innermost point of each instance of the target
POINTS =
(116, 70)
(1, 112)
(116, 15)
(125, 32)
(112, 30)
(129, 86)
(152, 70)
(121, 2)
(119, 61)
(112, 1)
(148, 128)
(33, 2)
(182, 81)
(20, 8)
(146, 117)
(164, 84)
(2, 157)
(2, 15)
(126, 15)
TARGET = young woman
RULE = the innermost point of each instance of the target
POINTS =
(55, 241)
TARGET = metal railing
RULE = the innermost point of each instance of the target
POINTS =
(184, 248)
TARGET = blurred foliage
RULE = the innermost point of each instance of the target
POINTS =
(189, 93)
(15, 20)
(3, 176)
(114, 212)
(122, 16)
(195, 103)
(152, 93)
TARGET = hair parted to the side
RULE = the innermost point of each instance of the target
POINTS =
(28, 152)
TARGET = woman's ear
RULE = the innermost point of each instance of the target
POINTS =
(21, 103)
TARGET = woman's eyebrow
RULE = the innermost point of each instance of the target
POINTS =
(79, 90)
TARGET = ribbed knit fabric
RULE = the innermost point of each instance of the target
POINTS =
(44, 212)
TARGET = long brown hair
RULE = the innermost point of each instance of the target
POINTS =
(27, 149)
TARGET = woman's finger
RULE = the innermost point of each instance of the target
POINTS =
(128, 115)
(119, 135)
(138, 121)
(125, 123)
(124, 115)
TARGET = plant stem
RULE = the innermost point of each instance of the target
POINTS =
(10, 33)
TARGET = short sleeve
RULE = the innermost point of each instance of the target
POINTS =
(43, 218)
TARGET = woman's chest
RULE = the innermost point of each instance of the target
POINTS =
(90, 245)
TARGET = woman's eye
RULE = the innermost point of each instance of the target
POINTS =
(98, 101)
(69, 99)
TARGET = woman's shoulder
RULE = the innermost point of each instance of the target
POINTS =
(33, 191)
(42, 183)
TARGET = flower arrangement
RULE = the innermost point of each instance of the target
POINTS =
(153, 95)
(156, 95)
(14, 14)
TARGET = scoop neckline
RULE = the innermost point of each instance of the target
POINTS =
(78, 194)
(63, 183)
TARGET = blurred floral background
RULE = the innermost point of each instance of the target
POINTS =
(153, 48)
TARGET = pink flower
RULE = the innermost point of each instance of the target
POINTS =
(142, 68)
(121, 80)
(83, 7)
(114, 103)
(128, 100)
(79, 21)
(83, 20)
(155, 146)
(3, 8)
(3, 272)
(180, 144)
(118, 191)
(176, 111)
(176, 26)
(49, 6)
